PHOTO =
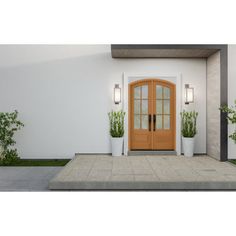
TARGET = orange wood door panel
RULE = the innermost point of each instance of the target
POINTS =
(164, 115)
(152, 115)
(140, 111)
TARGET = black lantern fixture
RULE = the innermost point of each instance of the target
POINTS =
(117, 94)
(188, 94)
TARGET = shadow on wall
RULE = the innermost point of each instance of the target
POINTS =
(64, 103)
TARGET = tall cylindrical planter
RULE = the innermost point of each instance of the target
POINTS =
(188, 146)
(117, 146)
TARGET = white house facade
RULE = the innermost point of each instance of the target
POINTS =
(64, 92)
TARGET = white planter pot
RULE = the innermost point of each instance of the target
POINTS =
(188, 146)
(117, 146)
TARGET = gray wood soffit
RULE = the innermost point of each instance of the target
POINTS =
(163, 50)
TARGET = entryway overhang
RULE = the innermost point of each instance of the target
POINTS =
(187, 51)
(163, 50)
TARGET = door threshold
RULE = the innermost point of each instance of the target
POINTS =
(151, 153)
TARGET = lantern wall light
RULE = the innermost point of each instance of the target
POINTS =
(188, 94)
(117, 94)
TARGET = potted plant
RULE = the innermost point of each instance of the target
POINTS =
(231, 117)
(189, 130)
(116, 131)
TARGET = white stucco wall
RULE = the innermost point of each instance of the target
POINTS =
(63, 95)
(231, 94)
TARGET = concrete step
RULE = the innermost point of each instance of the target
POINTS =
(150, 153)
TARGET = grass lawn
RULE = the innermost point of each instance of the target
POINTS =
(233, 161)
(39, 162)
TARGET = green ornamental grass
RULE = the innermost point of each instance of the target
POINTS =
(189, 123)
(116, 123)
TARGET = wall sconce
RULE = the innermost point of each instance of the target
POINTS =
(117, 94)
(188, 94)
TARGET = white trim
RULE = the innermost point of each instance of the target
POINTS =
(176, 79)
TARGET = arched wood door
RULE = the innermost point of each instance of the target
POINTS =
(152, 115)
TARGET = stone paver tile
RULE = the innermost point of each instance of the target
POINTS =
(102, 165)
(76, 175)
(78, 168)
(122, 177)
(138, 158)
(84, 161)
(230, 177)
(114, 167)
(158, 161)
(167, 175)
(82, 164)
(159, 165)
(86, 157)
(122, 171)
(134, 161)
(140, 165)
(139, 162)
(188, 175)
(99, 175)
(197, 166)
(147, 171)
(120, 159)
(146, 178)
(211, 175)
(65, 171)
(121, 165)
(227, 171)
(104, 158)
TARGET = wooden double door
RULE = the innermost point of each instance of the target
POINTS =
(152, 115)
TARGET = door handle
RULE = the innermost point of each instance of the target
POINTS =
(149, 121)
(154, 122)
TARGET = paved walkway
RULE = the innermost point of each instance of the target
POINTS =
(145, 172)
(26, 178)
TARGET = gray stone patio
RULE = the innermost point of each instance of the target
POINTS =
(91, 172)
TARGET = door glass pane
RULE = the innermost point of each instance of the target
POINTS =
(137, 106)
(158, 92)
(137, 92)
(144, 122)
(144, 92)
(144, 106)
(158, 121)
(137, 121)
(166, 122)
(159, 106)
(166, 106)
(166, 93)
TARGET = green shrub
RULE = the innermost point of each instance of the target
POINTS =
(231, 117)
(9, 124)
(10, 156)
(116, 123)
(189, 123)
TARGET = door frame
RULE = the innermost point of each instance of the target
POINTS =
(175, 79)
